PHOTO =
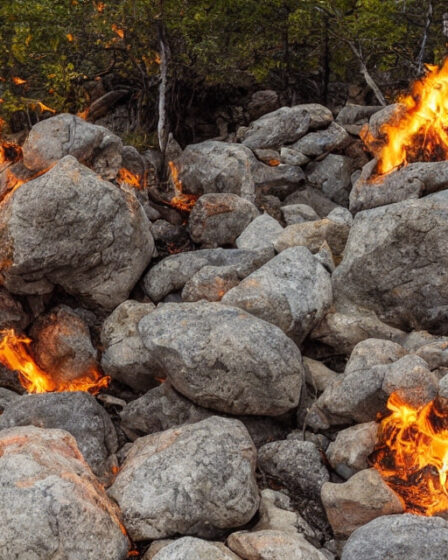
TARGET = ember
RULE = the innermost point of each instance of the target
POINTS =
(132, 179)
(412, 454)
(181, 201)
(14, 354)
(421, 133)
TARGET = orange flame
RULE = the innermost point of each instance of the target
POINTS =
(181, 201)
(83, 114)
(412, 454)
(15, 356)
(132, 179)
(118, 30)
(18, 81)
(420, 133)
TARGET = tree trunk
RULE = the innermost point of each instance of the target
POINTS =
(163, 124)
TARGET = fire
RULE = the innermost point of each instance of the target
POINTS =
(181, 201)
(118, 30)
(412, 454)
(14, 355)
(420, 132)
(133, 179)
(18, 81)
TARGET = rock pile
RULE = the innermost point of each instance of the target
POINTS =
(251, 343)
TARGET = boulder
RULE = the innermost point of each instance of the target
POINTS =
(191, 548)
(292, 291)
(62, 345)
(286, 125)
(69, 228)
(75, 412)
(273, 545)
(332, 176)
(219, 218)
(173, 272)
(399, 536)
(395, 264)
(318, 143)
(223, 358)
(260, 234)
(298, 213)
(12, 314)
(293, 157)
(51, 505)
(359, 500)
(357, 114)
(196, 480)
(312, 197)
(67, 135)
(317, 375)
(210, 283)
(125, 357)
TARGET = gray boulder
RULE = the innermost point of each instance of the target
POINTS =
(124, 356)
(219, 218)
(317, 143)
(70, 228)
(67, 135)
(260, 234)
(210, 283)
(395, 264)
(196, 480)
(292, 291)
(51, 505)
(399, 536)
(357, 114)
(12, 314)
(75, 412)
(286, 125)
(223, 358)
(332, 176)
(298, 213)
(191, 548)
(321, 204)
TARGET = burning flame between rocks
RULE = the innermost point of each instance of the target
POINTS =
(14, 355)
(420, 131)
(132, 179)
(181, 201)
(412, 454)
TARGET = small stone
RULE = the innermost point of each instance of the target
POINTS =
(260, 234)
(332, 175)
(317, 143)
(298, 213)
(317, 374)
(293, 157)
(191, 548)
(354, 503)
(210, 283)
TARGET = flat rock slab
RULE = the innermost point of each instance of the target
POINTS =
(292, 291)
(51, 505)
(399, 536)
(192, 480)
(191, 548)
(396, 264)
(70, 228)
(223, 358)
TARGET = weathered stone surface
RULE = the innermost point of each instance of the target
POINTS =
(191, 548)
(359, 500)
(197, 479)
(70, 228)
(219, 218)
(210, 283)
(360, 394)
(312, 197)
(223, 358)
(62, 344)
(410, 182)
(434, 353)
(292, 291)
(75, 412)
(273, 545)
(313, 234)
(317, 143)
(354, 114)
(317, 375)
(124, 356)
(341, 215)
(268, 156)
(348, 453)
(293, 157)
(51, 505)
(372, 352)
(298, 213)
(298, 465)
(395, 264)
(12, 314)
(260, 234)
(399, 536)
(68, 135)
(390, 114)
(6, 398)
(333, 176)
(286, 125)
(173, 272)
(220, 167)
(133, 161)
(343, 330)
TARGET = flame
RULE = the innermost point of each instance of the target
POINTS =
(18, 81)
(83, 114)
(132, 179)
(420, 132)
(45, 107)
(14, 355)
(412, 454)
(69, 37)
(118, 30)
(273, 162)
(181, 201)
(100, 7)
